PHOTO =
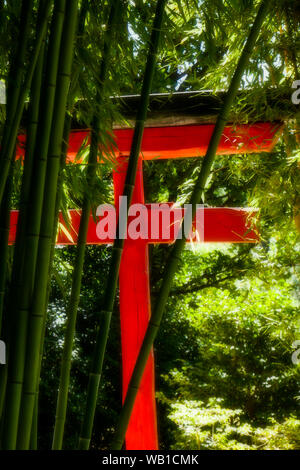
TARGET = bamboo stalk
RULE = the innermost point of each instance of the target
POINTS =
(37, 311)
(172, 263)
(4, 234)
(7, 150)
(4, 252)
(3, 380)
(17, 68)
(62, 399)
(68, 122)
(36, 87)
(102, 335)
(72, 309)
(65, 143)
(26, 269)
(13, 92)
(24, 197)
(31, 135)
(34, 429)
(61, 405)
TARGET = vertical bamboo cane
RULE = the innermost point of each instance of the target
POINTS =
(24, 196)
(37, 310)
(34, 107)
(81, 244)
(13, 92)
(7, 150)
(34, 429)
(65, 143)
(102, 335)
(17, 68)
(4, 234)
(4, 252)
(25, 276)
(36, 87)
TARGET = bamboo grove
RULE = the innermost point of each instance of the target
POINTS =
(45, 79)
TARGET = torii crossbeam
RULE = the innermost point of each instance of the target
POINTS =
(220, 225)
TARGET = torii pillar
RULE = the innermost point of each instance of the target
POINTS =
(135, 309)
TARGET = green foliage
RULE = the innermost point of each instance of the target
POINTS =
(215, 427)
(224, 355)
(92, 291)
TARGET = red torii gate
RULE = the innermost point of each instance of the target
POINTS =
(220, 225)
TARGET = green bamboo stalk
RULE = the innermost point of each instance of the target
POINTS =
(24, 201)
(7, 150)
(17, 68)
(4, 252)
(26, 271)
(13, 92)
(15, 76)
(196, 197)
(36, 88)
(31, 137)
(4, 234)
(68, 122)
(34, 429)
(37, 311)
(66, 135)
(72, 309)
(102, 335)
(24, 197)
(62, 400)
(3, 380)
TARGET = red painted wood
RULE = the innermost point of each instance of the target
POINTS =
(135, 311)
(183, 141)
(221, 224)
